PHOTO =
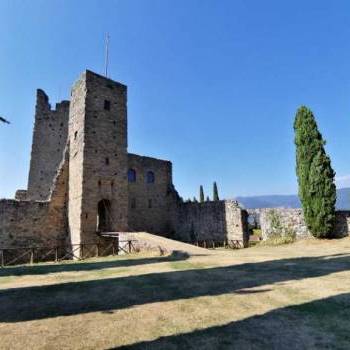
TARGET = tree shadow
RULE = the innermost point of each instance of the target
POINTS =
(89, 266)
(320, 324)
(39, 302)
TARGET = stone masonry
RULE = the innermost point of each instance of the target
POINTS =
(49, 141)
(291, 221)
(82, 180)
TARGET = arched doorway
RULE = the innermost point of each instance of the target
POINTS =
(104, 216)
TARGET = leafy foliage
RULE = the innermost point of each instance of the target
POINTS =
(201, 194)
(317, 191)
(215, 192)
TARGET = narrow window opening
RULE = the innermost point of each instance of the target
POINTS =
(150, 177)
(75, 135)
(150, 203)
(133, 203)
(107, 105)
(107, 161)
(131, 175)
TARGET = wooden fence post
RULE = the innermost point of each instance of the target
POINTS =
(56, 254)
(2, 257)
(31, 256)
(129, 242)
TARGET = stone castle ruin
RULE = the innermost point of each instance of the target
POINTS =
(83, 182)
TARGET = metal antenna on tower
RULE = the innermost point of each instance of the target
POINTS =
(107, 53)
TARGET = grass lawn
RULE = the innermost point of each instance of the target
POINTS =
(295, 296)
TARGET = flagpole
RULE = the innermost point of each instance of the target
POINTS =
(107, 58)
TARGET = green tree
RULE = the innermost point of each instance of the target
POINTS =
(201, 194)
(317, 191)
(195, 200)
(215, 192)
(208, 199)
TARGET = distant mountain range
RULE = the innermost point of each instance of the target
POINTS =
(290, 201)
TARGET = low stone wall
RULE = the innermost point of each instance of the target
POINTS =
(342, 223)
(214, 220)
(291, 221)
(30, 223)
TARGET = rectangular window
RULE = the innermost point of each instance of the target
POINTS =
(150, 203)
(133, 203)
(107, 105)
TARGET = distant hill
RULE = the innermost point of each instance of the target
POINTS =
(290, 201)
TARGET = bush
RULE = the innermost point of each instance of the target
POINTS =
(278, 234)
(286, 237)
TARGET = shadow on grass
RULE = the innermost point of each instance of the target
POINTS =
(88, 266)
(31, 303)
(320, 324)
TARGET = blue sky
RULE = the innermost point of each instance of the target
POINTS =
(213, 85)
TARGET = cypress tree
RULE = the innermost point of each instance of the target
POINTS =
(201, 194)
(317, 191)
(215, 192)
(208, 199)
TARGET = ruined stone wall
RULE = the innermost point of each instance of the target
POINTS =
(150, 203)
(98, 155)
(214, 220)
(21, 195)
(49, 140)
(36, 223)
(291, 221)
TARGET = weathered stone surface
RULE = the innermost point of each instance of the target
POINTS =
(286, 221)
(150, 202)
(49, 141)
(215, 220)
(78, 179)
(21, 195)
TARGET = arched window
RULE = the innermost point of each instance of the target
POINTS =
(150, 177)
(131, 175)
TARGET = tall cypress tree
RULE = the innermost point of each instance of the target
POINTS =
(215, 192)
(201, 194)
(317, 191)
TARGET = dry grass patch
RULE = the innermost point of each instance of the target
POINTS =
(294, 296)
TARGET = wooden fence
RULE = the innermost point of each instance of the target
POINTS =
(212, 244)
(31, 255)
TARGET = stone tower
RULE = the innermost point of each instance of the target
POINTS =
(98, 161)
(49, 140)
